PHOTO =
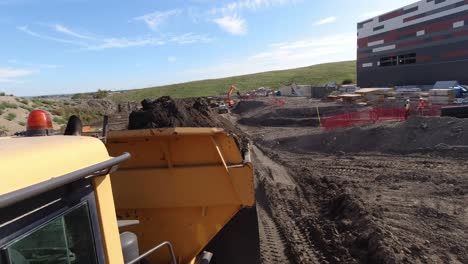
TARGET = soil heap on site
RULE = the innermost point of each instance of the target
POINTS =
(187, 112)
(418, 134)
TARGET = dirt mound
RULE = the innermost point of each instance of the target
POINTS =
(418, 134)
(295, 113)
(168, 112)
(188, 112)
(247, 106)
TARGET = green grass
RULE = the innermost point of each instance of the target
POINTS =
(314, 75)
(59, 120)
(7, 105)
(22, 100)
(28, 108)
(22, 123)
(10, 116)
(3, 130)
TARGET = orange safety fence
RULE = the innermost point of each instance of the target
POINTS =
(278, 102)
(363, 117)
(375, 116)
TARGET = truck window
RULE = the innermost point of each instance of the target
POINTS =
(66, 239)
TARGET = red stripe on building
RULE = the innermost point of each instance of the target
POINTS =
(438, 38)
(456, 53)
(423, 58)
(393, 35)
(463, 33)
(411, 18)
(410, 43)
(362, 43)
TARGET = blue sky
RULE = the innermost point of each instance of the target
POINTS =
(70, 46)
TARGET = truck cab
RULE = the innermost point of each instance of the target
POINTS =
(56, 201)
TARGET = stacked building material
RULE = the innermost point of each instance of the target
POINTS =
(408, 93)
(441, 96)
(375, 96)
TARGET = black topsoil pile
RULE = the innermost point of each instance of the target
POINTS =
(446, 135)
(188, 112)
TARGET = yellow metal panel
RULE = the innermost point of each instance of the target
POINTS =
(177, 187)
(29, 160)
(108, 219)
(188, 229)
(182, 184)
(243, 181)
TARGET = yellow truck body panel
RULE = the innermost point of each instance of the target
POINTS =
(182, 184)
(26, 161)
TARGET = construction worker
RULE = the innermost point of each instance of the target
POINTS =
(407, 108)
(421, 106)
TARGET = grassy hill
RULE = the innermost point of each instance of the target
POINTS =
(315, 75)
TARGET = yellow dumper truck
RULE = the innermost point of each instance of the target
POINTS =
(145, 196)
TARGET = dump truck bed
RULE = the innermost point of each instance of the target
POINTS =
(182, 184)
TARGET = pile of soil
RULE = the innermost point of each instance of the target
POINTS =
(296, 113)
(418, 134)
(168, 112)
(188, 112)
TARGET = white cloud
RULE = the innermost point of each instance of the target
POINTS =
(286, 55)
(252, 5)
(95, 43)
(156, 19)
(327, 20)
(171, 59)
(69, 32)
(230, 19)
(9, 75)
(190, 38)
(232, 24)
(110, 43)
(26, 30)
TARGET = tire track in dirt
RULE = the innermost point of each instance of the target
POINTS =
(284, 238)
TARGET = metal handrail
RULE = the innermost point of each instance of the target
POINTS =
(99, 169)
(166, 243)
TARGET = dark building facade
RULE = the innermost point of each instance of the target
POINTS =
(418, 44)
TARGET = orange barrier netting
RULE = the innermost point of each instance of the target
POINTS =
(375, 116)
(364, 117)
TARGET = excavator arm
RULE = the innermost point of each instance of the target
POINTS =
(229, 100)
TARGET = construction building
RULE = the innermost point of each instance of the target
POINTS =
(418, 44)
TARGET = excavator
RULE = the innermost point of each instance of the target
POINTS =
(134, 196)
(229, 101)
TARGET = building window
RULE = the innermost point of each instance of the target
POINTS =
(397, 60)
(410, 10)
(379, 28)
(407, 59)
(388, 61)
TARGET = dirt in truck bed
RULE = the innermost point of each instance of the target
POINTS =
(383, 193)
(166, 112)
